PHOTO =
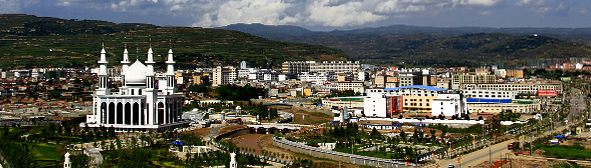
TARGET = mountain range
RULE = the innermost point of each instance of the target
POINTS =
(434, 46)
(31, 41)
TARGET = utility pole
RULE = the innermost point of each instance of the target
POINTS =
(531, 145)
(489, 152)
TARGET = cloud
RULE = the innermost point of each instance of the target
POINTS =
(550, 7)
(477, 2)
(311, 13)
(352, 13)
(15, 6)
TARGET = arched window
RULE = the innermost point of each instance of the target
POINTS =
(127, 113)
(103, 112)
(119, 115)
(111, 113)
(160, 113)
(136, 114)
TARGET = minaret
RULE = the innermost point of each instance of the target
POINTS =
(150, 92)
(125, 64)
(103, 78)
(150, 71)
(170, 81)
(233, 163)
(67, 163)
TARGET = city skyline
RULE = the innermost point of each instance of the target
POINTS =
(320, 15)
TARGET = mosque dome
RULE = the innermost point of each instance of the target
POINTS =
(136, 73)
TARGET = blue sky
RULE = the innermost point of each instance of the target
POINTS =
(317, 14)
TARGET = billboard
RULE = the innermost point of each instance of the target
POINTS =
(547, 93)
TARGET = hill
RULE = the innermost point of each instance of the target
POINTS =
(268, 31)
(433, 46)
(30, 41)
(462, 50)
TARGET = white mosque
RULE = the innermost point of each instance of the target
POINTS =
(140, 105)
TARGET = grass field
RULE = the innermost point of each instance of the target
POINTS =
(46, 155)
(310, 118)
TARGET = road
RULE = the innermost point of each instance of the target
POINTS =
(498, 151)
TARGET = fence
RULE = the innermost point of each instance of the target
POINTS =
(338, 156)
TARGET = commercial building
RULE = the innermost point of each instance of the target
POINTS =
(339, 67)
(496, 106)
(531, 88)
(390, 102)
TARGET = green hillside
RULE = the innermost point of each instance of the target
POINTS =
(29, 41)
(462, 50)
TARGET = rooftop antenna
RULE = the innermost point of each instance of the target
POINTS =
(170, 41)
(150, 41)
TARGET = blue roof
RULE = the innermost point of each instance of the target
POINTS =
(480, 100)
(416, 86)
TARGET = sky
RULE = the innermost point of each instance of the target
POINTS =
(320, 15)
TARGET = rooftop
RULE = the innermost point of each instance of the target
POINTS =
(418, 87)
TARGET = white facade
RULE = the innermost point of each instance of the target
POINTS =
(313, 77)
(138, 106)
(494, 94)
(374, 106)
(297, 67)
(448, 104)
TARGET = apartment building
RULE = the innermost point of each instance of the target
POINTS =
(459, 79)
(355, 86)
(223, 75)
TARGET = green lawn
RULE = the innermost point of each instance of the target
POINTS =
(44, 151)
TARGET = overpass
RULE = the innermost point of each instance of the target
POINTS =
(278, 105)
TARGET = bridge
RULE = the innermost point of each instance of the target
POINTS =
(278, 105)
(271, 128)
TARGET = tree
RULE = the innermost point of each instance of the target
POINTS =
(403, 136)
(80, 161)
(375, 134)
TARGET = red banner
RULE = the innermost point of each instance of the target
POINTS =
(547, 93)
